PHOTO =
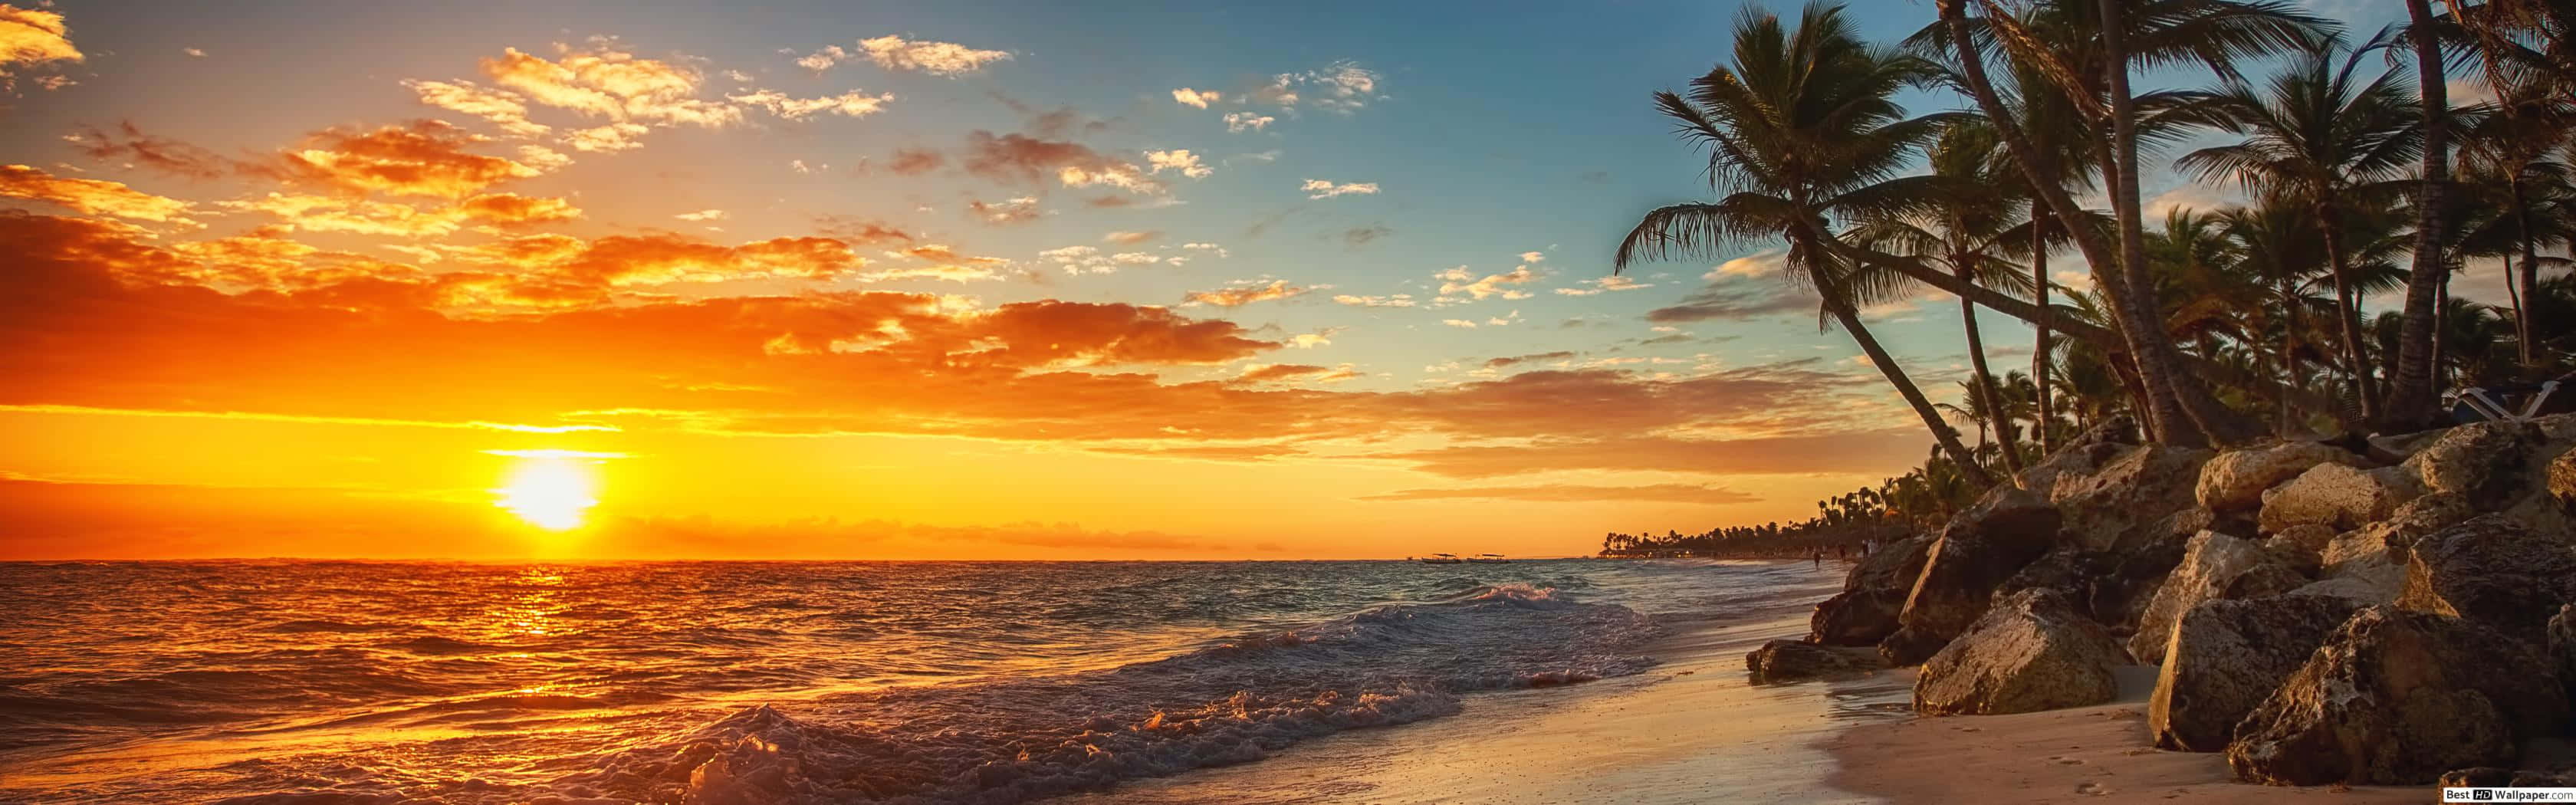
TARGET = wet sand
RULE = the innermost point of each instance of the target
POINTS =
(2091, 755)
(1692, 730)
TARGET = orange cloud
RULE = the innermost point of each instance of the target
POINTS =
(423, 158)
(1023, 159)
(505, 109)
(1240, 296)
(30, 37)
(149, 151)
(613, 85)
(91, 196)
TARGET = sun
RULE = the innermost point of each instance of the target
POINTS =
(550, 489)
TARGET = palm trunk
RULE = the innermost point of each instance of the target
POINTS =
(2289, 360)
(2039, 343)
(2347, 312)
(2412, 400)
(2521, 288)
(1942, 433)
(1985, 379)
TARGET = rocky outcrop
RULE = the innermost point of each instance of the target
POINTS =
(1787, 660)
(2397, 698)
(2214, 566)
(2126, 499)
(2336, 496)
(2374, 581)
(2226, 656)
(2493, 570)
(2236, 479)
(1977, 551)
(2031, 652)
(1864, 613)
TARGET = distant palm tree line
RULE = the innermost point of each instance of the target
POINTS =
(2211, 327)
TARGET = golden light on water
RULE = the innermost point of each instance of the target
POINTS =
(550, 489)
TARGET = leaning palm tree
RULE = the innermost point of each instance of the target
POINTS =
(2339, 141)
(1967, 224)
(1802, 131)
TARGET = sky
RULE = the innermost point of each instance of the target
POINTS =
(597, 280)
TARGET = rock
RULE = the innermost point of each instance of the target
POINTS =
(2236, 479)
(2482, 462)
(2375, 581)
(1977, 551)
(2562, 482)
(1785, 660)
(2560, 641)
(2397, 698)
(2478, 777)
(2214, 566)
(2393, 449)
(2226, 656)
(2122, 592)
(2493, 570)
(2126, 499)
(2063, 569)
(1864, 613)
(2417, 519)
(2030, 652)
(2302, 546)
(2335, 495)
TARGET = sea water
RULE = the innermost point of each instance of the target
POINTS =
(739, 682)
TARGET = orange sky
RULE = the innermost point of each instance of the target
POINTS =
(893, 308)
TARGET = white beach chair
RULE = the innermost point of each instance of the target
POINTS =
(2474, 404)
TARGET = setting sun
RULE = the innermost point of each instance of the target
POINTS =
(550, 489)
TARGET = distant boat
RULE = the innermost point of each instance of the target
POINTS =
(1489, 559)
(1441, 559)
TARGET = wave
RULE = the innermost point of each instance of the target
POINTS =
(1238, 700)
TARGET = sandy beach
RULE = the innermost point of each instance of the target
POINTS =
(1696, 730)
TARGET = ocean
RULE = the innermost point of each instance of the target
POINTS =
(748, 682)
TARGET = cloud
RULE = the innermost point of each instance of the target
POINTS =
(1758, 264)
(1735, 300)
(1498, 363)
(422, 158)
(1574, 493)
(2191, 196)
(1342, 87)
(1246, 294)
(847, 104)
(1462, 323)
(936, 58)
(1396, 300)
(1361, 235)
(1028, 160)
(1458, 280)
(915, 161)
(504, 109)
(157, 153)
(1240, 122)
(1286, 372)
(1007, 211)
(30, 37)
(702, 215)
(1091, 260)
(1180, 160)
(1598, 285)
(197, 53)
(91, 196)
(1324, 188)
(1129, 238)
(863, 232)
(1196, 98)
(613, 85)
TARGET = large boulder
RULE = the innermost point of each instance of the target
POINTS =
(2335, 495)
(2377, 580)
(2485, 463)
(1864, 613)
(1977, 551)
(2214, 566)
(1785, 660)
(2031, 652)
(2394, 536)
(2236, 479)
(2493, 570)
(2129, 496)
(2226, 656)
(2080, 455)
(2124, 583)
(2397, 698)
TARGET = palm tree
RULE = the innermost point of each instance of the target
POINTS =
(2085, 50)
(2339, 142)
(2512, 148)
(1965, 225)
(1801, 131)
(2411, 397)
